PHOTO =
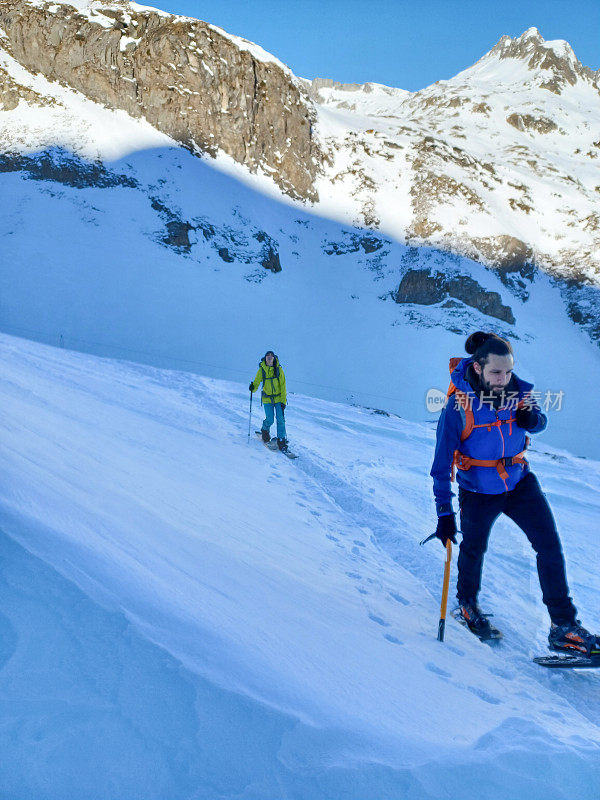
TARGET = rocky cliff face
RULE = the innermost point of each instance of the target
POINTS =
(193, 82)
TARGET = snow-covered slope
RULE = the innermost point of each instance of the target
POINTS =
(186, 615)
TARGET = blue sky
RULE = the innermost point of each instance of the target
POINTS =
(404, 44)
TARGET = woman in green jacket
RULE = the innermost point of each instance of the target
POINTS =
(273, 397)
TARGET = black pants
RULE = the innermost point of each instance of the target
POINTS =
(527, 506)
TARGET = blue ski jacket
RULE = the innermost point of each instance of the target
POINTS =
(498, 437)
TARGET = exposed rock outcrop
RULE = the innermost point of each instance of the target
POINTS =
(425, 287)
(269, 256)
(526, 122)
(65, 168)
(190, 80)
(11, 93)
(583, 306)
(230, 245)
(353, 243)
(506, 253)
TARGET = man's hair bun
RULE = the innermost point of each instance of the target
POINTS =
(475, 341)
(480, 345)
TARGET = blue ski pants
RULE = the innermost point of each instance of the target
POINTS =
(273, 410)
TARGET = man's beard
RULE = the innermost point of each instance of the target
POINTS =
(489, 389)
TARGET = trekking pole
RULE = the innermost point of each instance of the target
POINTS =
(250, 418)
(442, 622)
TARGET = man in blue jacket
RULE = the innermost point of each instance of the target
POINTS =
(482, 434)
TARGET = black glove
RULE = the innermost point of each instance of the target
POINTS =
(526, 417)
(252, 387)
(446, 529)
(283, 406)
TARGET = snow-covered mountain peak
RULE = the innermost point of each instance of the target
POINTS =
(499, 162)
(531, 43)
(530, 59)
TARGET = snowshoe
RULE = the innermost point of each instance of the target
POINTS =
(282, 445)
(569, 661)
(274, 444)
